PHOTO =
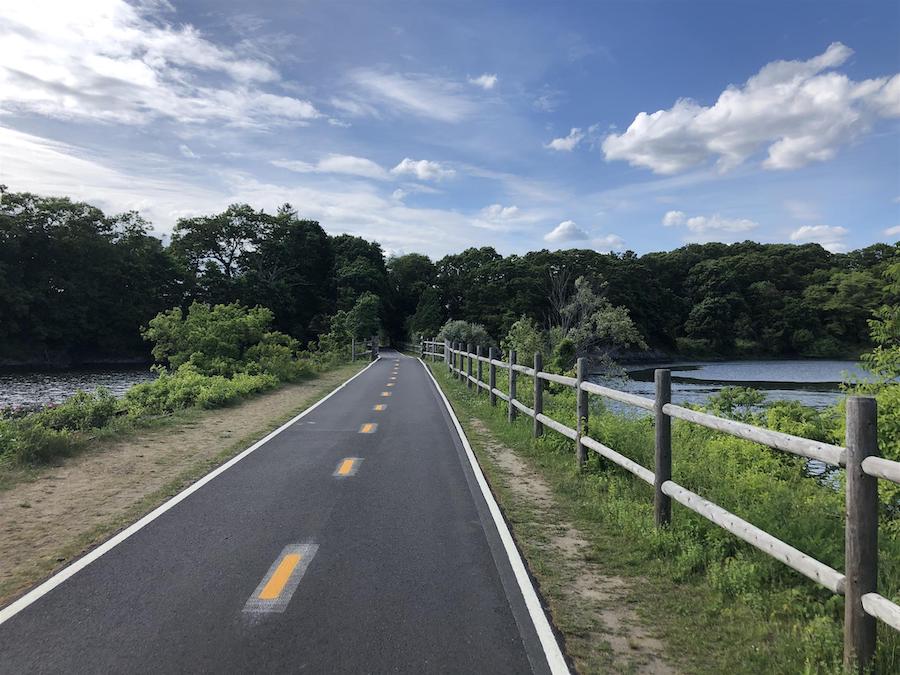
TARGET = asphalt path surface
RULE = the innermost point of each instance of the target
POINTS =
(356, 540)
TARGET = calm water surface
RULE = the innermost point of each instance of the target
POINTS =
(815, 383)
(812, 382)
(54, 386)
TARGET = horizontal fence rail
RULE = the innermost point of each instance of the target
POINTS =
(864, 468)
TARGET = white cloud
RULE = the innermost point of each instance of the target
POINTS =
(674, 218)
(186, 151)
(801, 111)
(110, 61)
(423, 169)
(567, 143)
(708, 228)
(566, 231)
(486, 81)
(343, 164)
(422, 95)
(609, 242)
(828, 236)
(892, 231)
(496, 212)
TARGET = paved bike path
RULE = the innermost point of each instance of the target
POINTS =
(355, 540)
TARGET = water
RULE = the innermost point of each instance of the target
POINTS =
(28, 388)
(812, 382)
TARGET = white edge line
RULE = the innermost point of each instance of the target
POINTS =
(555, 659)
(34, 594)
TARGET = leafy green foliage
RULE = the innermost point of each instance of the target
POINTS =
(465, 332)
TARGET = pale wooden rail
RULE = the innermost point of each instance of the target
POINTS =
(858, 584)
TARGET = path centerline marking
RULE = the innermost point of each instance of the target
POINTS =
(347, 467)
(277, 587)
(379, 407)
(385, 393)
(368, 428)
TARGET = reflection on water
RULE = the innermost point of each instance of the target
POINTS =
(54, 386)
(812, 382)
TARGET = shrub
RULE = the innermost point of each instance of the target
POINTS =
(82, 411)
(29, 442)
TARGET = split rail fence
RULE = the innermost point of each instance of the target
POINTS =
(858, 584)
(371, 348)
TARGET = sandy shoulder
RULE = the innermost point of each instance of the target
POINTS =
(72, 507)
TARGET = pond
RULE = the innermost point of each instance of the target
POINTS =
(39, 387)
(816, 383)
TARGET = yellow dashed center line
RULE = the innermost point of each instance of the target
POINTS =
(385, 393)
(346, 467)
(276, 584)
(379, 407)
(390, 384)
(368, 428)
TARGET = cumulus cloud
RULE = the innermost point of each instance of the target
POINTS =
(800, 111)
(674, 218)
(343, 164)
(422, 95)
(567, 143)
(486, 81)
(708, 228)
(828, 236)
(566, 231)
(111, 61)
(892, 231)
(609, 242)
(423, 169)
(499, 212)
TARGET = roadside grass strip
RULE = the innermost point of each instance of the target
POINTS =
(347, 467)
(368, 428)
(278, 585)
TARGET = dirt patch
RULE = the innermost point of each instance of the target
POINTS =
(69, 508)
(602, 631)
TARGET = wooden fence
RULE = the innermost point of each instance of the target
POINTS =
(371, 348)
(858, 584)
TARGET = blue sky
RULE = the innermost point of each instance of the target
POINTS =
(433, 127)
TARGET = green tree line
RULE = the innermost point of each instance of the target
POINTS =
(78, 284)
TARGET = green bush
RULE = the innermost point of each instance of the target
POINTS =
(28, 442)
(186, 388)
(82, 411)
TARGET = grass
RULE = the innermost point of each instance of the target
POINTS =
(719, 605)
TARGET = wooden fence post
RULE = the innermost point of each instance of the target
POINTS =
(353, 349)
(447, 355)
(662, 504)
(511, 410)
(860, 533)
(581, 410)
(456, 360)
(479, 370)
(538, 428)
(492, 376)
(469, 365)
(423, 345)
(374, 350)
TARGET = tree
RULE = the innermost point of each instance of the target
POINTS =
(409, 276)
(359, 267)
(362, 319)
(291, 271)
(429, 314)
(595, 324)
(214, 247)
